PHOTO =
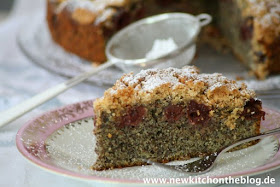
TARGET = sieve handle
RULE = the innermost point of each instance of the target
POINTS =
(204, 19)
(17, 111)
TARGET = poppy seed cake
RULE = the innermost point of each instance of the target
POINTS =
(171, 114)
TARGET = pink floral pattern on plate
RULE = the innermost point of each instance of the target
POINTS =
(31, 141)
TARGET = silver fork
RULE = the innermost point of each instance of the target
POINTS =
(206, 163)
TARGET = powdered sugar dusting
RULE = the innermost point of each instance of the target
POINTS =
(72, 148)
(148, 80)
(101, 8)
(267, 12)
(158, 80)
(161, 47)
(93, 5)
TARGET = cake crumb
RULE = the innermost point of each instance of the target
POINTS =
(110, 135)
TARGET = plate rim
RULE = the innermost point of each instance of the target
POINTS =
(89, 113)
(24, 34)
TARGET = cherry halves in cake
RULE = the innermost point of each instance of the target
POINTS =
(171, 114)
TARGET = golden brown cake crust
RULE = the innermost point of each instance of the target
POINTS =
(213, 90)
(74, 37)
(171, 114)
(83, 27)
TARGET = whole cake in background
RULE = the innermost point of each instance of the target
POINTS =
(171, 114)
(250, 27)
(83, 26)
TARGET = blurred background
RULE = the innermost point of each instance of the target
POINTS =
(5, 7)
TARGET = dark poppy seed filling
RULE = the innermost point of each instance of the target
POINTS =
(171, 114)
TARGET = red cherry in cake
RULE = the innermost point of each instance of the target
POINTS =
(198, 113)
(173, 113)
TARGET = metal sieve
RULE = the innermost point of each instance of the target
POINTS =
(126, 50)
(128, 47)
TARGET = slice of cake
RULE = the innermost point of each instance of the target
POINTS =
(171, 114)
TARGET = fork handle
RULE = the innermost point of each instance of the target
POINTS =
(15, 112)
(262, 135)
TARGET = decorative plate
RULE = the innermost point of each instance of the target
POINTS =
(61, 141)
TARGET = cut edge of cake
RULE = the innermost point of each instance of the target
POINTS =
(140, 109)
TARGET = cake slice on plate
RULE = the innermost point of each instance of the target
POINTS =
(171, 114)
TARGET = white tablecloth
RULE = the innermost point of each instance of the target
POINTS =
(21, 79)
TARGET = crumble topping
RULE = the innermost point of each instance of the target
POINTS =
(266, 15)
(149, 80)
(91, 11)
(176, 86)
(266, 11)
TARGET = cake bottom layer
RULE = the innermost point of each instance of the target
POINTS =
(163, 138)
